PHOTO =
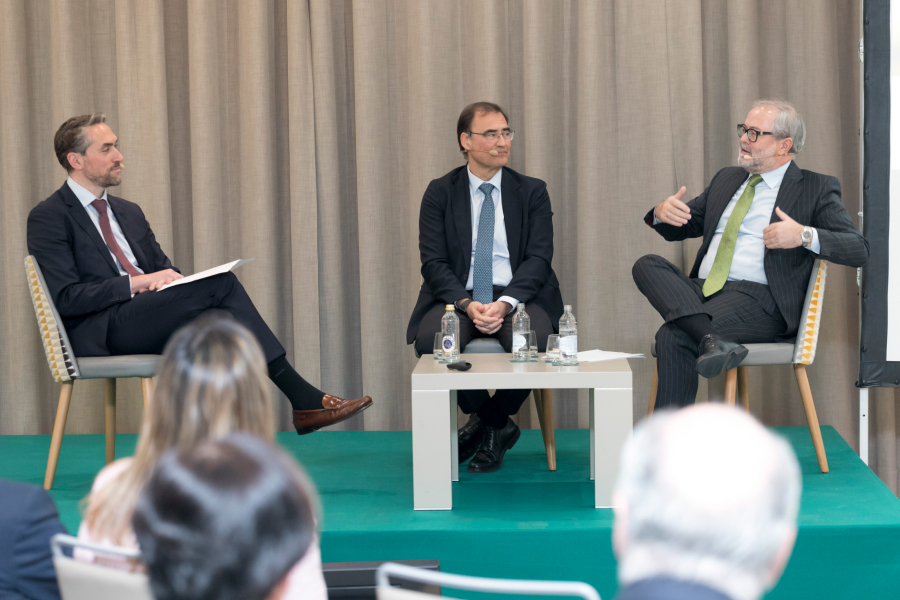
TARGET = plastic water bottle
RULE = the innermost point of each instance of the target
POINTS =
(450, 335)
(568, 337)
(521, 329)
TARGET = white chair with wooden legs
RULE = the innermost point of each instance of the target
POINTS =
(66, 368)
(799, 354)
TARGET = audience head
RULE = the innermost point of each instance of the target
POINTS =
(226, 520)
(211, 381)
(780, 134)
(706, 495)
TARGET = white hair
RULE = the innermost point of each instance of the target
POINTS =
(711, 505)
(787, 124)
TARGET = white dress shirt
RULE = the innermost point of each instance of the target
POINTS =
(749, 250)
(86, 197)
(502, 269)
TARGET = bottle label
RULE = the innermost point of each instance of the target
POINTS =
(569, 344)
(518, 342)
(449, 344)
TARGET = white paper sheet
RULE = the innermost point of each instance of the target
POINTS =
(208, 273)
(601, 355)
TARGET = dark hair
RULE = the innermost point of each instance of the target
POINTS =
(226, 520)
(70, 137)
(468, 115)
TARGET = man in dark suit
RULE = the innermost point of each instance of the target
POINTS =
(28, 520)
(103, 268)
(763, 225)
(691, 524)
(486, 242)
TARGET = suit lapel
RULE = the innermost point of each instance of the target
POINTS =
(789, 191)
(461, 204)
(730, 184)
(131, 231)
(512, 216)
(80, 216)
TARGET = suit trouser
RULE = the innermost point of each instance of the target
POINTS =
(504, 402)
(145, 323)
(743, 311)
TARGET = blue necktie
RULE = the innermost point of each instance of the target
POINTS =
(483, 277)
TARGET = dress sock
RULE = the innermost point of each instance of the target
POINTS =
(696, 326)
(300, 393)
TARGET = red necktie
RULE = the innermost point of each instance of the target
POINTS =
(110, 239)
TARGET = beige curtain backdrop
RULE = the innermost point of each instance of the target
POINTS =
(303, 133)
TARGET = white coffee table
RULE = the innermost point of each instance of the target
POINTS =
(435, 446)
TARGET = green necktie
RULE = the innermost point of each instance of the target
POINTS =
(718, 274)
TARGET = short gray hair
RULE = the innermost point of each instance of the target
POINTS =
(670, 533)
(787, 124)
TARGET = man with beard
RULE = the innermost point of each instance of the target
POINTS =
(102, 266)
(763, 225)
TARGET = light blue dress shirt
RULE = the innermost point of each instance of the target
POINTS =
(749, 250)
(86, 197)
(501, 267)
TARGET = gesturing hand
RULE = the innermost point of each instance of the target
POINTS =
(784, 234)
(672, 211)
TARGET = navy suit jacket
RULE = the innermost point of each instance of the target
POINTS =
(810, 199)
(78, 267)
(665, 588)
(445, 243)
(28, 520)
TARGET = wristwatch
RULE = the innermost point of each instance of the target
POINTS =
(462, 306)
(806, 237)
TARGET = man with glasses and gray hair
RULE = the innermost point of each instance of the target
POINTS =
(486, 243)
(763, 225)
(705, 507)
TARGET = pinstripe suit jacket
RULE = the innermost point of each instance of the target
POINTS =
(810, 199)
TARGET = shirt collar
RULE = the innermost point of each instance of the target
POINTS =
(774, 177)
(476, 182)
(84, 196)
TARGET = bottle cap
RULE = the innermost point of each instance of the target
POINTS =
(521, 307)
(568, 308)
(449, 307)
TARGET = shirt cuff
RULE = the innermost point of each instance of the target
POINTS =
(509, 300)
(129, 285)
(655, 220)
(814, 244)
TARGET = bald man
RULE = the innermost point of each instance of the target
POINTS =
(695, 523)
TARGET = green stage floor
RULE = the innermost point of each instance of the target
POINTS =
(524, 521)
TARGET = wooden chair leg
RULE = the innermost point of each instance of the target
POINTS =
(653, 387)
(550, 435)
(109, 400)
(811, 417)
(146, 383)
(543, 403)
(59, 427)
(743, 387)
(730, 386)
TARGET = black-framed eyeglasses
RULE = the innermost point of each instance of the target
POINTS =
(492, 135)
(752, 134)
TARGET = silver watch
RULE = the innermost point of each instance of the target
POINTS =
(806, 237)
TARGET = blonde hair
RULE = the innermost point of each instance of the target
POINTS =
(211, 382)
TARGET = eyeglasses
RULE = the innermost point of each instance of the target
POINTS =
(752, 134)
(492, 135)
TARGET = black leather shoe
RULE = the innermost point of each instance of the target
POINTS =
(717, 354)
(470, 436)
(496, 442)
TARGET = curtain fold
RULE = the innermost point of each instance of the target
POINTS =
(303, 133)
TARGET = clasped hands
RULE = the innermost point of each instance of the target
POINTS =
(783, 234)
(150, 282)
(488, 318)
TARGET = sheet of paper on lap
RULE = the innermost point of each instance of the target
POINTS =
(231, 266)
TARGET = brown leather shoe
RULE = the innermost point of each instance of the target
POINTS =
(334, 410)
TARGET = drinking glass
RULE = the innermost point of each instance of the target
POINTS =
(552, 356)
(532, 346)
(438, 349)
